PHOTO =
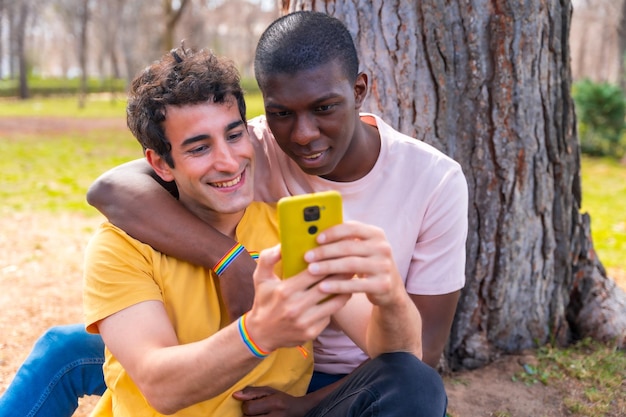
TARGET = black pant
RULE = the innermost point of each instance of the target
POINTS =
(393, 384)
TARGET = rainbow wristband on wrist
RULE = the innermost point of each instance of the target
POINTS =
(228, 259)
(245, 336)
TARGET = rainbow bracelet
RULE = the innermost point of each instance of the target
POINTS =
(228, 259)
(245, 336)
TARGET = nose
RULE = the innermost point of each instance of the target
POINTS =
(305, 130)
(225, 157)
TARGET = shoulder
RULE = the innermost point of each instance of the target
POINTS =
(412, 153)
(112, 242)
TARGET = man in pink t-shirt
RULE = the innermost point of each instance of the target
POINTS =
(415, 193)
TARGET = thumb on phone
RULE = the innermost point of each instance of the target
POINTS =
(268, 258)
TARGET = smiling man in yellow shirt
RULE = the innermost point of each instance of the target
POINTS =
(169, 345)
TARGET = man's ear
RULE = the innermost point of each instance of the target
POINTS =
(159, 165)
(360, 89)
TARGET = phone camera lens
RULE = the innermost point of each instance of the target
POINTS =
(312, 230)
(311, 213)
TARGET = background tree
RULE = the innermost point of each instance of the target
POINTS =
(489, 84)
(23, 11)
(76, 16)
(172, 10)
(596, 40)
(83, 19)
(622, 46)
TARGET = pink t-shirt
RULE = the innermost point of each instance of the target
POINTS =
(414, 192)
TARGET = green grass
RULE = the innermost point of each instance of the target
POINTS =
(96, 106)
(49, 87)
(53, 173)
(103, 105)
(604, 197)
(590, 375)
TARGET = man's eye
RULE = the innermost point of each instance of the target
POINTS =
(279, 113)
(234, 136)
(324, 108)
(198, 149)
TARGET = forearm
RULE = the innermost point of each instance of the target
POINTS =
(183, 375)
(437, 312)
(395, 328)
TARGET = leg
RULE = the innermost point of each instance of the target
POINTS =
(393, 384)
(65, 364)
(321, 379)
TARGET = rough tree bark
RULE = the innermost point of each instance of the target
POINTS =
(489, 84)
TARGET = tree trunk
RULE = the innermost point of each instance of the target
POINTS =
(489, 84)
(83, 20)
(621, 33)
(3, 10)
(20, 36)
(172, 16)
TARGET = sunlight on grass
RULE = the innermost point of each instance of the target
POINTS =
(604, 197)
(54, 174)
(102, 105)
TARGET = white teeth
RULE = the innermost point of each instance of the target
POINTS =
(314, 156)
(227, 183)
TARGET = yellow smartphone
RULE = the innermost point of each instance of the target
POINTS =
(300, 219)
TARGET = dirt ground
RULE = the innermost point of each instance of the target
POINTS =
(41, 259)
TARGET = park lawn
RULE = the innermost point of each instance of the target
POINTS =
(97, 105)
(52, 173)
(604, 198)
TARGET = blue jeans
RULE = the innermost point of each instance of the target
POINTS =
(65, 364)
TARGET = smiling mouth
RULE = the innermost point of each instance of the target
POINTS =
(312, 156)
(226, 184)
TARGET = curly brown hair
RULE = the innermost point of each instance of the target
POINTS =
(181, 77)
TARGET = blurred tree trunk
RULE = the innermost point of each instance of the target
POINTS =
(3, 12)
(595, 40)
(11, 19)
(172, 16)
(622, 46)
(83, 21)
(20, 37)
(490, 86)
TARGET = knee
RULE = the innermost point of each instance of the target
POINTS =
(406, 365)
(67, 340)
(404, 370)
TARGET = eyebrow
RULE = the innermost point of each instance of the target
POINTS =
(203, 136)
(329, 96)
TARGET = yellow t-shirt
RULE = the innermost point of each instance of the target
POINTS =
(121, 271)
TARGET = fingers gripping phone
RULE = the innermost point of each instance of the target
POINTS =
(301, 218)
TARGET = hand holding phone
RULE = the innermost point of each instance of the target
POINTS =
(301, 218)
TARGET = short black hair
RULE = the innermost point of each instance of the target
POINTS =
(303, 40)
